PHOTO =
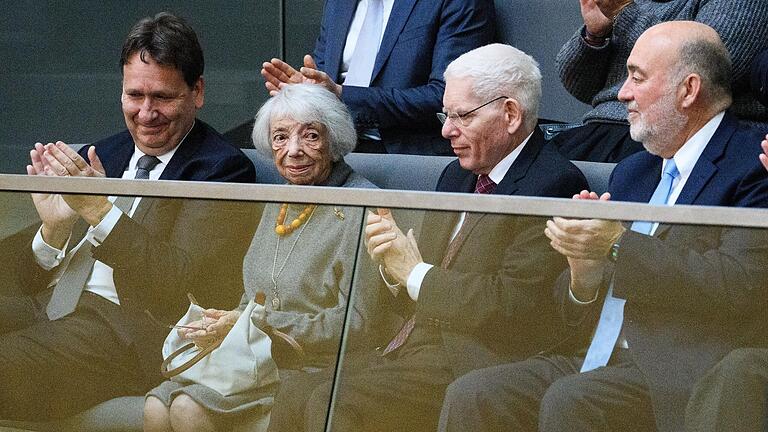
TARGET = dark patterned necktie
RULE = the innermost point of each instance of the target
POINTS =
(484, 185)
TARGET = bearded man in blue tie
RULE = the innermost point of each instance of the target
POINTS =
(662, 303)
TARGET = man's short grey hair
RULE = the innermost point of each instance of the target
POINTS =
(501, 70)
(711, 61)
(307, 103)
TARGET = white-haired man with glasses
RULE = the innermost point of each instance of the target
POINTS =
(461, 306)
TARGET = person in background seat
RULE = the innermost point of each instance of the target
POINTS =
(592, 64)
(385, 59)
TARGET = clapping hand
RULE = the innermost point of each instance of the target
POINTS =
(277, 74)
(586, 244)
(387, 245)
(764, 155)
(62, 161)
(57, 216)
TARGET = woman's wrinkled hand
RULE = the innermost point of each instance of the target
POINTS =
(215, 325)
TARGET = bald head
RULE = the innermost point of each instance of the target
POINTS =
(679, 32)
(679, 76)
(689, 47)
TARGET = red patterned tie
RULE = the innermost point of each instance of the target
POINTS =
(401, 336)
(484, 185)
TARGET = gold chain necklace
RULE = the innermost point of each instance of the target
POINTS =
(308, 212)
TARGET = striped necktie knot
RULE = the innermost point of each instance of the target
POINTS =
(145, 164)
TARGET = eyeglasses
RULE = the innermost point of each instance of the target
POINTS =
(462, 118)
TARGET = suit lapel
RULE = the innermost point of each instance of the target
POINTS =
(467, 184)
(116, 159)
(521, 165)
(439, 224)
(471, 220)
(435, 233)
(397, 19)
(336, 39)
(176, 166)
(705, 167)
(644, 180)
(508, 186)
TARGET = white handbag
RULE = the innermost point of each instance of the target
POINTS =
(241, 361)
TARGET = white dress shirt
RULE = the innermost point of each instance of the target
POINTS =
(100, 281)
(417, 275)
(356, 27)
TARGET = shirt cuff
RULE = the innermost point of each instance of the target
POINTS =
(577, 301)
(416, 278)
(46, 255)
(394, 288)
(595, 42)
(96, 235)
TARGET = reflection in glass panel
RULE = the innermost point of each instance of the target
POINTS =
(486, 299)
(498, 291)
(459, 354)
(292, 273)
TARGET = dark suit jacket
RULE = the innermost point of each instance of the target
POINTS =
(421, 38)
(693, 293)
(170, 246)
(494, 303)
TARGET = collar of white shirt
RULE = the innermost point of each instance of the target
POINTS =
(689, 153)
(500, 170)
(130, 171)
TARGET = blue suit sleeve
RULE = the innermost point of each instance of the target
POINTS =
(465, 25)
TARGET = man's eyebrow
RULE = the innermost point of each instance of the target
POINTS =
(456, 111)
(634, 68)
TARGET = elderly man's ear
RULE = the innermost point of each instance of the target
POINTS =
(690, 90)
(513, 114)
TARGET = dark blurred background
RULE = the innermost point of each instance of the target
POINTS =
(59, 76)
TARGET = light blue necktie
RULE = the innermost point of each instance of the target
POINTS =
(612, 315)
(364, 57)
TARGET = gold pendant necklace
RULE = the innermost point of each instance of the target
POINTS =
(276, 303)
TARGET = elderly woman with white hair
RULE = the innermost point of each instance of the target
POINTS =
(300, 260)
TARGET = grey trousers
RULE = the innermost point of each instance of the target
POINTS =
(548, 394)
(733, 396)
